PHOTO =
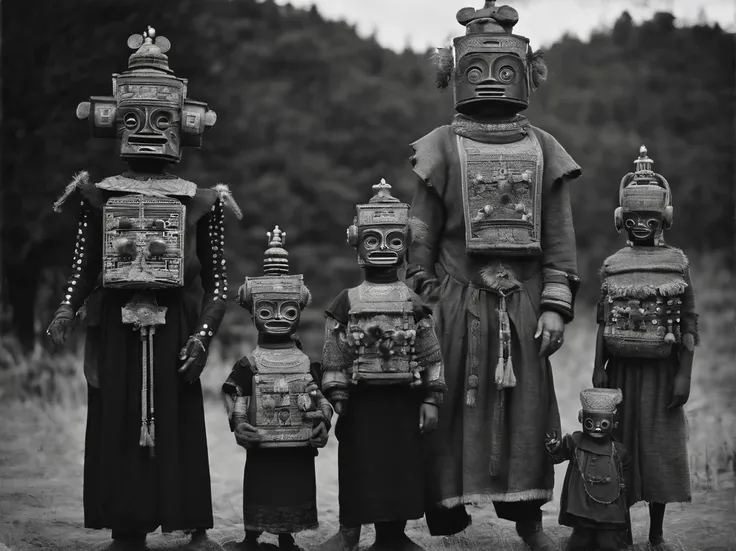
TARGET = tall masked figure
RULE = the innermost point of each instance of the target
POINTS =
(647, 333)
(384, 376)
(148, 244)
(497, 262)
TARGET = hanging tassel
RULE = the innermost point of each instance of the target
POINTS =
(499, 372)
(152, 424)
(79, 179)
(501, 343)
(470, 397)
(227, 198)
(509, 379)
(143, 442)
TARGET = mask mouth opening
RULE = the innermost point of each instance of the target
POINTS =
(490, 91)
(277, 326)
(383, 257)
(642, 234)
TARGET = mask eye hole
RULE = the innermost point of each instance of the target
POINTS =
(290, 313)
(653, 224)
(475, 75)
(589, 424)
(130, 120)
(506, 74)
(605, 424)
(397, 243)
(370, 242)
(630, 223)
(162, 122)
(265, 312)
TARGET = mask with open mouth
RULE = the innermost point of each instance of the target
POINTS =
(645, 201)
(277, 298)
(599, 410)
(380, 232)
(149, 111)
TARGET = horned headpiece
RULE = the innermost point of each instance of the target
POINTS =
(489, 63)
(149, 109)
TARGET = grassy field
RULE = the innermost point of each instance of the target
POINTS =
(42, 439)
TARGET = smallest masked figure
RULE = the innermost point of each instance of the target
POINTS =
(275, 407)
(594, 499)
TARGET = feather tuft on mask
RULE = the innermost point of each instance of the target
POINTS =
(419, 229)
(538, 68)
(444, 64)
(80, 178)
(227, 198)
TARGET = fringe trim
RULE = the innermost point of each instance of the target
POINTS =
(478, 499)
(80, 178)
(227, 198)
(671, 289)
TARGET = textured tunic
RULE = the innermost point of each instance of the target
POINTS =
(601, 505)
(124, 488)
(654, 434)
(492, 450)
(380, 454)
(279, 485)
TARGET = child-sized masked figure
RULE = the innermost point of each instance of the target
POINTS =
(498, 262)
(275, 407)
(647, 333)
(384, 375)
(593, 499)
(145, 241)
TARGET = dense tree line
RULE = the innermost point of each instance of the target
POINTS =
(311, 115)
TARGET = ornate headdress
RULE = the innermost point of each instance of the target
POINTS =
(383, 209)
(489, 33)
(148, 83)
(601, 400)
(276, 282)
(644, 191)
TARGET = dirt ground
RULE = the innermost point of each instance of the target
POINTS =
(41, 454)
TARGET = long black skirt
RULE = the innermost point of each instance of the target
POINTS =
(124, 487)
(380, 456)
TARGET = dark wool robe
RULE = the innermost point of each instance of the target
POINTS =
(380, 453)
(124, 488)
(654, 434)
(471, 442)
(279, 484)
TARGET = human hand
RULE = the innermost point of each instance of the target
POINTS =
(428, 417)
(680, 391)
(247, 435)
(552, 443)
(60, 325)
(551, 328)
(319, 437)
(194, 356)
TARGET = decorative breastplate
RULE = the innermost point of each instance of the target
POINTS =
(280, 398)
(642, 327)
(600, 474)
(382, 333)
(502, 196)
(143, 245)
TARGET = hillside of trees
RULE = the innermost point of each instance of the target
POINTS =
(310, 115)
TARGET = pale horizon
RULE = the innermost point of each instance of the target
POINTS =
(425, 24)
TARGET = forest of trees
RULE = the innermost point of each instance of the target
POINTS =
(310, 115)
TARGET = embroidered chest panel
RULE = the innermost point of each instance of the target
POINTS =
(143, 242)
(502, 196)
(382, 333)
(281, 397)
(642, 326)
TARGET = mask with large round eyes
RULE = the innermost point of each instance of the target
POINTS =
(396, 241)
(162, 121)
(474, 75)
(131, 121)
(289, 311)
(276, 317)
(382, 247)
(506, 74)
(371, 241)
(642, 226)
(597, 425)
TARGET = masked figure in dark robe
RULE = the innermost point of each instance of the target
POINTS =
(275, 407)
(384, 376)
(647, 333)
(594, 501)
(148, 244)
(497, 261)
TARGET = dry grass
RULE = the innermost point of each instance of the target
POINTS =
(41, 447)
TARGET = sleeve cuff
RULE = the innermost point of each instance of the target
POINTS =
(434, 397)
(558, 293)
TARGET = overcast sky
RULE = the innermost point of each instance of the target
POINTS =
(422, 24)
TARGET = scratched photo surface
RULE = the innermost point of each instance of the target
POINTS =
(316, 101)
